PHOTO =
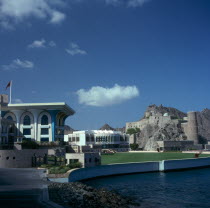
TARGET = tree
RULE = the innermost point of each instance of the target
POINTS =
(27, 144)
(133, 131)
(134, 146)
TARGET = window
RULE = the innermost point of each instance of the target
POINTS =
(26, 120)
(77, 139)
(44, 131)
(44, 120)
(87, 138)
(26, 131)
(11, 129)
(44, 139)
(9, 118)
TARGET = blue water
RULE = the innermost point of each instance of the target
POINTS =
(184, 189)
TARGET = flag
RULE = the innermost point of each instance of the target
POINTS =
(8, 85)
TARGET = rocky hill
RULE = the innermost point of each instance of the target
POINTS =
(203, 121)
(172, 129)
(161, 110)
(108, 127)
(68, 129)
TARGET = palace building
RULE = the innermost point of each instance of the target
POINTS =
(43, 122)
(99, 139)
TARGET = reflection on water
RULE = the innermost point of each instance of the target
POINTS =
(182, 189)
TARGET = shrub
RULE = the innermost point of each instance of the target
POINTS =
(27, 144)
(133, 131)
(134, 146)
(75, 165)
(46, 166)
(62, 169)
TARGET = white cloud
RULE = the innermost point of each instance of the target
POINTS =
(18, 64)
(57, 17)
(14, 11)
(74, 49)
(17, 100)
(52, 44)
(38, 44)
(100, 96)
(41, 44)
(136, 3)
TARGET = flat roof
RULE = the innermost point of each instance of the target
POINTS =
(43, 106)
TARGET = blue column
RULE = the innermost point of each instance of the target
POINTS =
(53, 114)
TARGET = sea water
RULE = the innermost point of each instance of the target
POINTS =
(182, 189)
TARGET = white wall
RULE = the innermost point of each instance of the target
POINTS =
(128, 168)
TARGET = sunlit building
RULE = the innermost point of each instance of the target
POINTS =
(99, 139)
(43, 122)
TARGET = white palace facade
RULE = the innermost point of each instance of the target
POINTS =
(99, 139)
(43, 122)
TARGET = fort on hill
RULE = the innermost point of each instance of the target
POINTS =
(167, 128)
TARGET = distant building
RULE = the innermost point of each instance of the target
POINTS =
(86, 159)
(176, 145)
(99, 139)
(43, 122)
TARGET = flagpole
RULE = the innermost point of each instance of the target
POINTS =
(10, 100)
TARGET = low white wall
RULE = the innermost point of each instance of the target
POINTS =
(114, 169)
(128, 168)
(185, 164)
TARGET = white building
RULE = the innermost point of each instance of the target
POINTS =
(42, 122)
(99, 139)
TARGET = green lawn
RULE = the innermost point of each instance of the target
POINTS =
(144, 157)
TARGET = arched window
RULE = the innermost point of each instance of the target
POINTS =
(9, 118)
(44, 120)
(26, 120)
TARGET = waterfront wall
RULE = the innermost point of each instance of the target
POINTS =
(113, 169)
(186, 164)
(129, 168)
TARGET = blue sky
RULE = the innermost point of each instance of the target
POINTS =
(108, 59)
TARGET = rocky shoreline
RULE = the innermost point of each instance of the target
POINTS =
(79, 195)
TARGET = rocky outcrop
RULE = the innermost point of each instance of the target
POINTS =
(68, 130)
(161, 110)
(171, 129)
(150, 134)
(108, 127)
(203, 122)
(79, 195)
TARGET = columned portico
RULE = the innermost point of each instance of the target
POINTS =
(17, 114)
(43, 122)
(35, 113)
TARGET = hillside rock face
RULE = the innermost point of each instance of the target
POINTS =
(150, 134)
(108, 127)
(68, 130)
(157, 127)
(161, 110)
(203, 121)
